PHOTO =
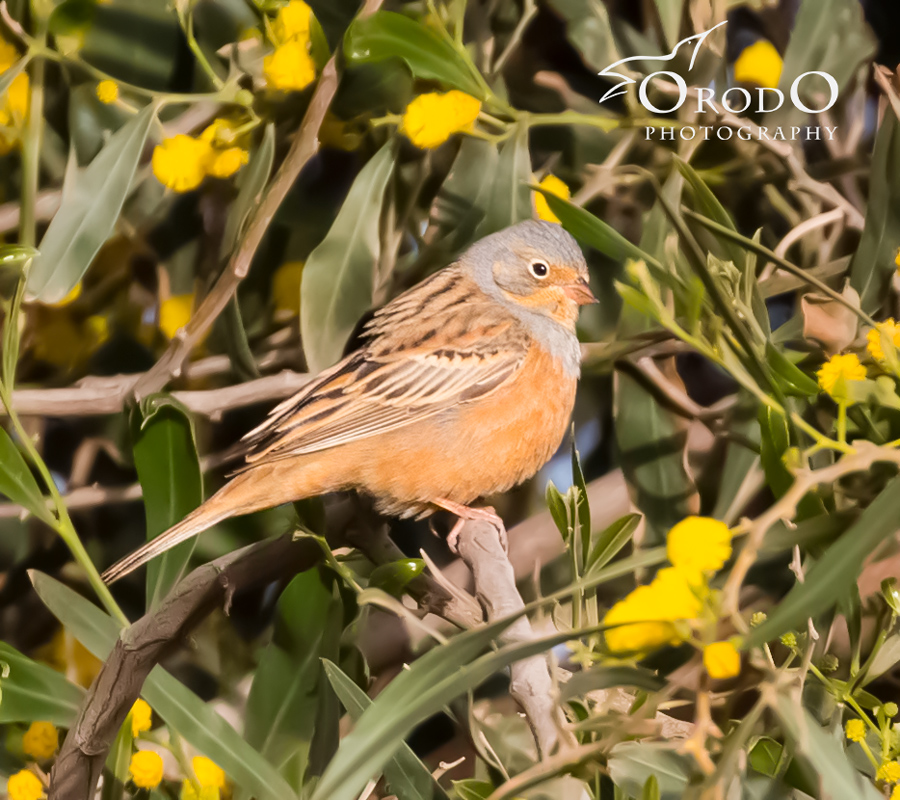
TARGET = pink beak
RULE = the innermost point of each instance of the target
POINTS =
(580, 293)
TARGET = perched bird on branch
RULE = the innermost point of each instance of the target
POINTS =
(464, 387)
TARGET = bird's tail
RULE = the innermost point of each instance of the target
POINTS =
(241, 495)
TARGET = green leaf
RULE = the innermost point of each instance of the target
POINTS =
(17, 482)
(472, 789)
(581, 507)
(823, 751)
(87, 216)
(651, 789)
(589, 30)
(393, 578)
(406, 775)
(252, 181)
(338, 278)
(608, 543)
(557, 505)
(430, 55)
(831, 576)
(32, 692)
(794, 380)
(168, 468)
(181, 709)
(632, 764)
(873, 265)
(670, 18)
(587, 228)
(603, 677)
(118, 760)
(509, 197)
(286, 694)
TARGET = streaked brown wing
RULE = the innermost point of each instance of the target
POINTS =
(438, 345)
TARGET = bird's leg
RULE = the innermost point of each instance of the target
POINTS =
(467, 513)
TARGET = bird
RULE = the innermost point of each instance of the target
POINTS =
(463, 387)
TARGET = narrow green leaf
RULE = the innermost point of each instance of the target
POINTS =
(509, 198)
(17, 482)
(670, 12)
(632, 764)
(651, 789)
(407, 777)
(181, 709)
(823, 751)
(286, 694)
(602, 677)
(794, 380)
(338, 278)
(88, 213)
(252, 181)
(431, 56)
(557, 505)
(595, 232)
(609, 542)
(32, 692)
(393, 578)
(168, 468)
(582, 507)
(839, 567)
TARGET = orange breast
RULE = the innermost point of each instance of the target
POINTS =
(478, 448)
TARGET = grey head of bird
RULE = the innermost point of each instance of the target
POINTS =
(532, 268)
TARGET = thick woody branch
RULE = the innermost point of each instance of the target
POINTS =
(531, 684)
(142, 646)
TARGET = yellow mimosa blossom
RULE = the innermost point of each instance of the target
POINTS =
(888, 329)
(13, 111)
(175, 313)
(653, 609)
(721, 660)
(180, 162)
(895, 794)
(292, 22)
(24, 785)
(431, 119)
(8, 55)
(208, 773)
(141, 717)
(286, 288)
(226, 162)
(555, 186)
(40, 740)
(889, 772)
(837, 372)
(107, 92)
(290, 68)
(759, 64)
(897, 260)
(856, 730)
(146, 769)
(699, 544)
(218, 133)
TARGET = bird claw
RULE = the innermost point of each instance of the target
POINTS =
(465, 514)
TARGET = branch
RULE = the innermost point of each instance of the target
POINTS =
(531, 683)
(142, 646)
(303, 148)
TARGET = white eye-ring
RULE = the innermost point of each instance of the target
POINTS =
(539, 269)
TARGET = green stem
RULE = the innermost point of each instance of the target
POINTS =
(842, 422)
(187, 23)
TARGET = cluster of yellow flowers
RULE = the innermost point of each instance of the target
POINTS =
(181, 162)
(887, 769)
(554, 186)
(208, 782)
(432, 118)
(665, 611)
(291, 67)
(14, 103)
(839, 371)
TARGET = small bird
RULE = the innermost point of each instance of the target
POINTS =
(463, 387)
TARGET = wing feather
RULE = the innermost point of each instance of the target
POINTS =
(438, 345)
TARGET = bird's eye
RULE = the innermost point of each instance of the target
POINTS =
(539, 269)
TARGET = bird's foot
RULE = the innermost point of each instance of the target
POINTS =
(466, 514)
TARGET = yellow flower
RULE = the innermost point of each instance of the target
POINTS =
(699, 544)
(292, 22)
(286, 288)
(40, 740)
(837, 372)
(107, 92)
(897, 260)
(174, 313)
(13, 111)
(556, 187)
(226, 162)
(218, 133)
(24, 785)
(181, 161)
(290, 68)
(889, 772)
(895, 794)
(653, 609)
(189, 792)
(208, 772)
(146, 769)
(856, 730)
(759, 64)
(890, 330)
(141, 717)
(431, 119)
(721, 660)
